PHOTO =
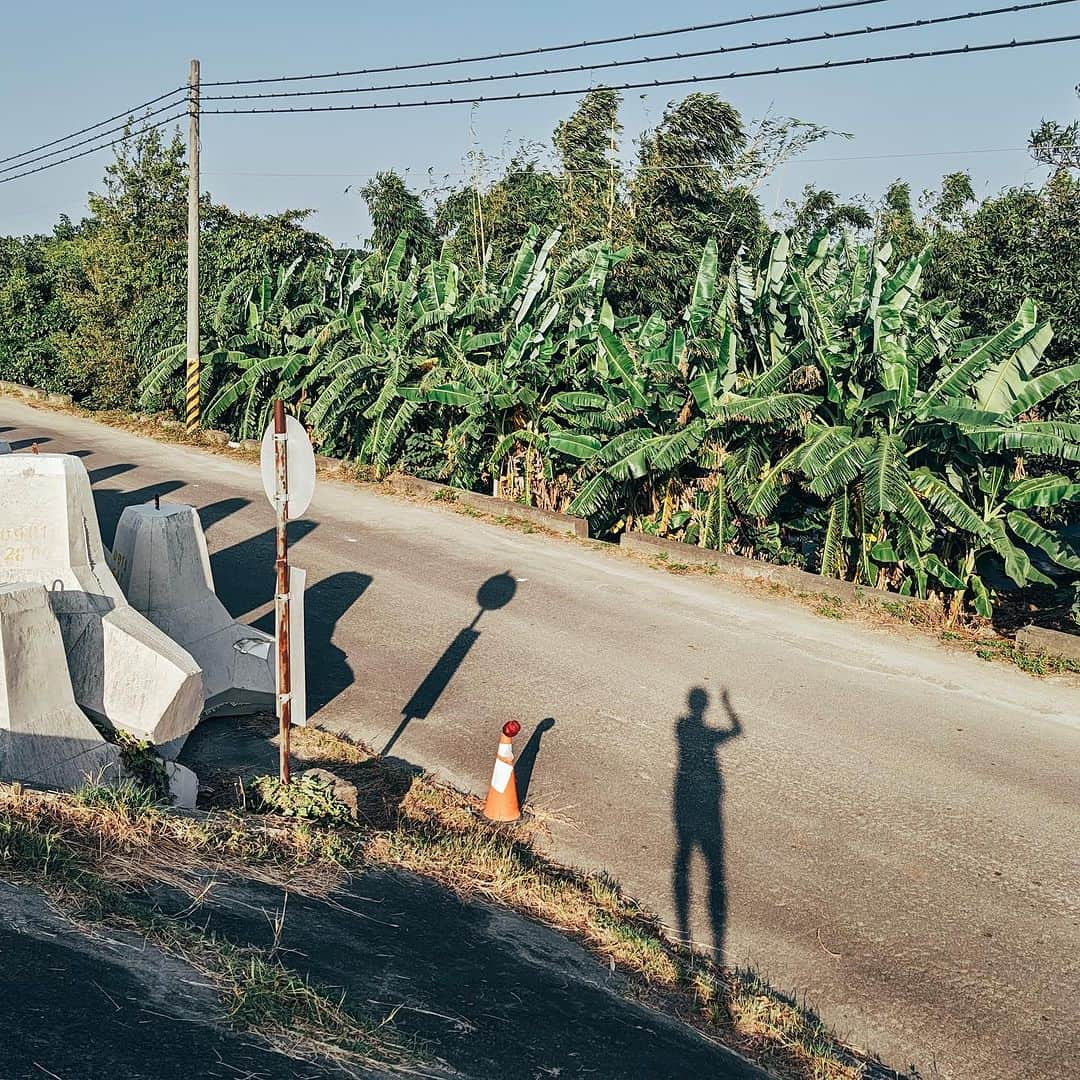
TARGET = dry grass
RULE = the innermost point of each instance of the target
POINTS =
(92, 852)
(94, 845)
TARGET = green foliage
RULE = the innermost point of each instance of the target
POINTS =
(129, 797)
(808, 407)
(143, 764)
(87, 309)
(307, 798)
(880, 399)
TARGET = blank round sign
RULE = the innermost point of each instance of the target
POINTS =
(301, 464)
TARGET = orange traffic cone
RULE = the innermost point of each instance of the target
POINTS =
(502, 800)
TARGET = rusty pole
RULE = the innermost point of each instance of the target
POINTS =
(281, 592)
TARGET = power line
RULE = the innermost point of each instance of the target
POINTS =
(656, 83)
(861, 31)
(93, 149)
(83, 142)
(100, 123)
(741, 21)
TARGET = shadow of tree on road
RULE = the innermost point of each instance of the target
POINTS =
(244, 572)
(698, 808)
(214, 512)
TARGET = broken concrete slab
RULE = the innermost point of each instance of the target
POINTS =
(124, 671)
(45, 738)
(162, 564)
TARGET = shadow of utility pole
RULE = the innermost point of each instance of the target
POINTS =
(495, 593)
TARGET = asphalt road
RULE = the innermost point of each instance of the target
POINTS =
(870, 820)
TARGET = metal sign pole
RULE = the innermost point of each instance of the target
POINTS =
(281, 595)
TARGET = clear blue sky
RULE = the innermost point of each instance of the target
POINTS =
(65, 64)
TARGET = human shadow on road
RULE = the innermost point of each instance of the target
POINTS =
(698, 808)
(526, 760)
(495, 593)
(29, 444)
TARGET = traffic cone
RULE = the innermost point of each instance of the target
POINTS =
(502, 800)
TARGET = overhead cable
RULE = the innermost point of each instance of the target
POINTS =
(89, 139)
(743, 20)
(93, 149)
(687, 80)
(101, 123)
(862, 31)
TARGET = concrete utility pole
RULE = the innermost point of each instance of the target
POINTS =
(194, 408)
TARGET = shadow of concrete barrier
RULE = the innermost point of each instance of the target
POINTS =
(45, 738)
(124, 671)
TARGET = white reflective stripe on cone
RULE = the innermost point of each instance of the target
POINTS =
(501, 775)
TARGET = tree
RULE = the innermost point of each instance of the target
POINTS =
(822, 210)
(681, 196)
(484, 227)
(1016, 244)
(123, 269)
(587, 143)
(1057, 145)
(31, 312)
(394, 210)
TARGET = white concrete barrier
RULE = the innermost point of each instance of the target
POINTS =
(161, 562)
(45, 738)
(124, 670)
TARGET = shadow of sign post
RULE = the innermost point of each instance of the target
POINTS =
(495, 593)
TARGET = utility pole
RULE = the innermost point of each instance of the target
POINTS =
(194, 407)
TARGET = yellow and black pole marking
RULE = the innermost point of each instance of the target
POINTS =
(193, 413)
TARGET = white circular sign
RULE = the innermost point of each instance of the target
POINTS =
(300, 459)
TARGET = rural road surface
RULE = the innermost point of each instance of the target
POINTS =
(888, 828)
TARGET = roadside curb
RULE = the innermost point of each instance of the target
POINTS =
(755, 570)
(488, 504)
(1051, 642)
(31, 393)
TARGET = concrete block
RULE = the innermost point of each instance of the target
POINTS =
(125, 672)
(162, 565)
(5, 447)
(45, 738)
(1052, 642)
